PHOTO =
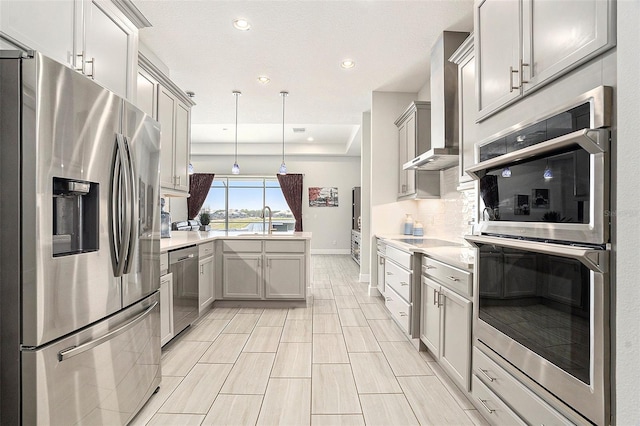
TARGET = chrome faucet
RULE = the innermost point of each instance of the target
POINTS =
(263, 210)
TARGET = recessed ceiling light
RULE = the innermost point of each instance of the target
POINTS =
(264, 79)
(310, 139)
(347, 63)
(241, 24)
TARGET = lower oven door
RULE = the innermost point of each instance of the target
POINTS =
(544, 308)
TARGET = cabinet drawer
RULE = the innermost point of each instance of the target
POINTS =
(205, 250)
(164, 262)
(399, 309)
(239, 246)
(456, 279)
(291, 246)
(492, 407)
(402, 258)
(399, 279)
(528, 405)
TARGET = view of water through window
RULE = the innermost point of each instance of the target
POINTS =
(235, 204)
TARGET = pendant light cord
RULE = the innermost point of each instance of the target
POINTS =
(284, 95)
(236, 154)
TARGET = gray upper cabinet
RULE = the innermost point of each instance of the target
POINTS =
(521, 45)
(465, 59)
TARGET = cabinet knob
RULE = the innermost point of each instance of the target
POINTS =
(403, 314)
(403, 283)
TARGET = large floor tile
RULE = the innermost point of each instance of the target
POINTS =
(222, 313)
(297, 331)
(360, 339)
(390, 409)
(263, 339)
(250, 374)
(205, 330)
(324, 307)
(374, 311)
(476, 418)
(333, 390)
(272, 318)
(322, 293)
(168, 385)
(251, 311)
(337, 420)
(365, 298)
(234, 410)
(225, 349)
(286, 402)
(242, 323)
(163, 419)
(326, 323)
(342, 290)
(182, 357)
(387, 331)
(426, 392)
(405, 359)
(373, 374)
(196, 392)
(352, 318)
(300, 313)
(329, 349)
(456, 393)
(292, 360)
(347, 302)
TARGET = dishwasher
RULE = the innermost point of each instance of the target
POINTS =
(183, 264)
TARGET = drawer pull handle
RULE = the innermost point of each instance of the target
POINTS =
(429, 267)
(389, 299)
(435, 297)
(484, 404)
(403, 314)
(403, 283)
(389, 273)
(452, 278)
(484, 373)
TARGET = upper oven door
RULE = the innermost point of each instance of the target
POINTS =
(554, 190)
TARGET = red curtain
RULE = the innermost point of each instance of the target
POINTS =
(291, 185)
(199, 185)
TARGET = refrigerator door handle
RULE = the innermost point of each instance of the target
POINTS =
(77, 350)
(123, 227)
(133, 213)
(115, 210)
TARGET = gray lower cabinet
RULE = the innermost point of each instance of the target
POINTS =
(205, 283)
(166, 308)
(284, 276)
(242, 276)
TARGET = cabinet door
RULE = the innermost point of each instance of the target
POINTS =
(560, 35)
(166, 308)
(498, 40)
(456, 337)
(181, 147)
(147, 94)
(410, 154)
(205, 284)
(430, 316)
(50, 30)
(402, 158)
(166, 117)
(466, 97)
(284, 276)
(110, 47)
(242, 276)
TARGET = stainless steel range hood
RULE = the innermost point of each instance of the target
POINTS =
(443, 152)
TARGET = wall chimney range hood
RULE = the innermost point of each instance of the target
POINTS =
(443, 152)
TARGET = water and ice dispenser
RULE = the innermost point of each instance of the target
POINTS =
(75, 216)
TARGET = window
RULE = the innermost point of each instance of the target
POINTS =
(236, 203)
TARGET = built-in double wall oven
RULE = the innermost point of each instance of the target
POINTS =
(542, 280)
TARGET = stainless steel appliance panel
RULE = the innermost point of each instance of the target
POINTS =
(69, 128)
(183, 263)
(142, 270)
(101, 375)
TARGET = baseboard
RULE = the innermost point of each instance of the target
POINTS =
(364, 278)
(330, 251)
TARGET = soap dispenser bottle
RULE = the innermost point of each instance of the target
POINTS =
(408, 225)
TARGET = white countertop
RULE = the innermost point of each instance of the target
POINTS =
(186, 238)
(449, 252)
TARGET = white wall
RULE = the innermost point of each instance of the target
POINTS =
(365, 164)
(626, 340)
(329, 225)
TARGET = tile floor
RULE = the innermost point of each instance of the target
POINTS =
(339, 361)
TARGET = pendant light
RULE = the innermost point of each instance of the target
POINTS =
(235, 170)
(506, 172)
(283, 166)
(548, 173)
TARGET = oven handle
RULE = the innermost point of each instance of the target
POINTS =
(594, 141)
(595, 260)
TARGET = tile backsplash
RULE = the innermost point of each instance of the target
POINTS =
(448, 217)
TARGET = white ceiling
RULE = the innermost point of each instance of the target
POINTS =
(299, 45)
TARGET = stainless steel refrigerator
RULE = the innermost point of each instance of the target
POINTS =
(79, 252)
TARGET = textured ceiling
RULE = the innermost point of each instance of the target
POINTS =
(299, 45)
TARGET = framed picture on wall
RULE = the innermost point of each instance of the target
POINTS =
(540, 199)
(325, 196)
(521, 205)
